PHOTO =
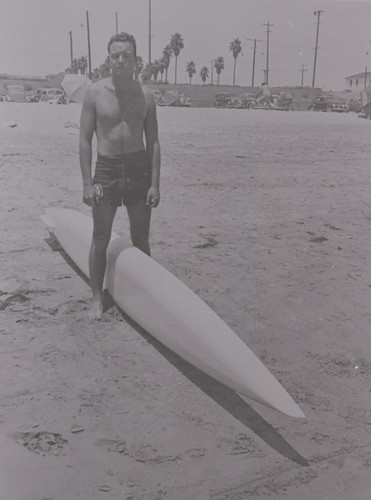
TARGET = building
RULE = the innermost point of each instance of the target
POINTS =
(358, 81)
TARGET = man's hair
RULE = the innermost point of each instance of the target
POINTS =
(123, 37)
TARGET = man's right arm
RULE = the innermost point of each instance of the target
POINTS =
(87, 128)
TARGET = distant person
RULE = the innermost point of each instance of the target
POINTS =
(265, 95)
(121, 114)
(43, 97)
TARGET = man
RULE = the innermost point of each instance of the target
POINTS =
(121, 114)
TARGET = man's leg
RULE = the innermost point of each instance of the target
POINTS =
(140, 219)
(103, 216)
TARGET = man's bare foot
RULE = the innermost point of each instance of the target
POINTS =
(96, 310)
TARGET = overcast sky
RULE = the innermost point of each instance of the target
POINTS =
(34, 36)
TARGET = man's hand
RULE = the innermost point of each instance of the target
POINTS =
(153, 197)
(89, 195)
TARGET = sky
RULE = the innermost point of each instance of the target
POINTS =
(34, 36)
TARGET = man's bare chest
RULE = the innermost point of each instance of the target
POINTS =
(113, 109)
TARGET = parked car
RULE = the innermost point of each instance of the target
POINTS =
(247, 100)
(16, 93)
(35, 97)
(235, 102)
(329, 103)
(158, 94)
(355, 105)
(55, 96)
(223, 100)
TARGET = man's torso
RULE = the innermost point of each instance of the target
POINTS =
(119, 118)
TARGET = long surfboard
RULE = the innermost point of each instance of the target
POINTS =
(173, 314)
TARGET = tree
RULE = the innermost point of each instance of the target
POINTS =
(219, 65)
(155, 69)
(166, 54)
(162, 67)
(103, 71)
(139, 65)
(191, 70)
(204, 74)
(235, 48)
(147, 73)
(176, 44)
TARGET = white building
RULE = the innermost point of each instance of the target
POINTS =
(358, 81)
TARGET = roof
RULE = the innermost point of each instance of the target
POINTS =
(358, 75)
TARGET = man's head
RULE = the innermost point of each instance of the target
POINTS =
(123, 37)
(122, 56)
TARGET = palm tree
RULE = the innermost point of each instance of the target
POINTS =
(166, 54)
(204, 73)
(139, 65)
(147, 73)
(176, 44)
(191, 70)
(219, 65)
(155, 69)
(82, 64)
(161, 62)
(235, 48)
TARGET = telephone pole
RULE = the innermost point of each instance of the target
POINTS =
(253, 60)
(268, 25)
(302, 74)
(71, 47)
(318, 14)
(89, 51)
(212, 72)
(149, 32)
(117, 24)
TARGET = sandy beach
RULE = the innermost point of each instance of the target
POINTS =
(267, 217)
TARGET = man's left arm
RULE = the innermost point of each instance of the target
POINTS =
(153, 149)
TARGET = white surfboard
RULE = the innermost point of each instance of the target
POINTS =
(173, 314)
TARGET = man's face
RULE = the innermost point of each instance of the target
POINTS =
(122, 58)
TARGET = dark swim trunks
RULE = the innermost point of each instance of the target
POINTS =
(123, 180)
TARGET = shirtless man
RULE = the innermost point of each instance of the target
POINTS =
(121, 114)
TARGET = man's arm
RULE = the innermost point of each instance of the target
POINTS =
(87, 128)
(153, 149)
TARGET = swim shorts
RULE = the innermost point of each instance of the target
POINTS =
(122, 180)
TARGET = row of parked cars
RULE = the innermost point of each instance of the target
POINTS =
(17, 93)
(328, 103)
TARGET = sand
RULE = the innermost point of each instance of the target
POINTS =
(266, 216)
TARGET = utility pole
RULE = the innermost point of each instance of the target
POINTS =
(318, 14)
(302, 74)
(268, 25)
(71, 48)
(253, 60)
(212, 72)
(149, 33)
(89, 51)
(117, 24)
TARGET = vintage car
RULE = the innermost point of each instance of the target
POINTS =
(223, 100)
(329, 103)
(235, 102)
(52, 96)
(355, 105)
(16, 93)
(247, 100)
